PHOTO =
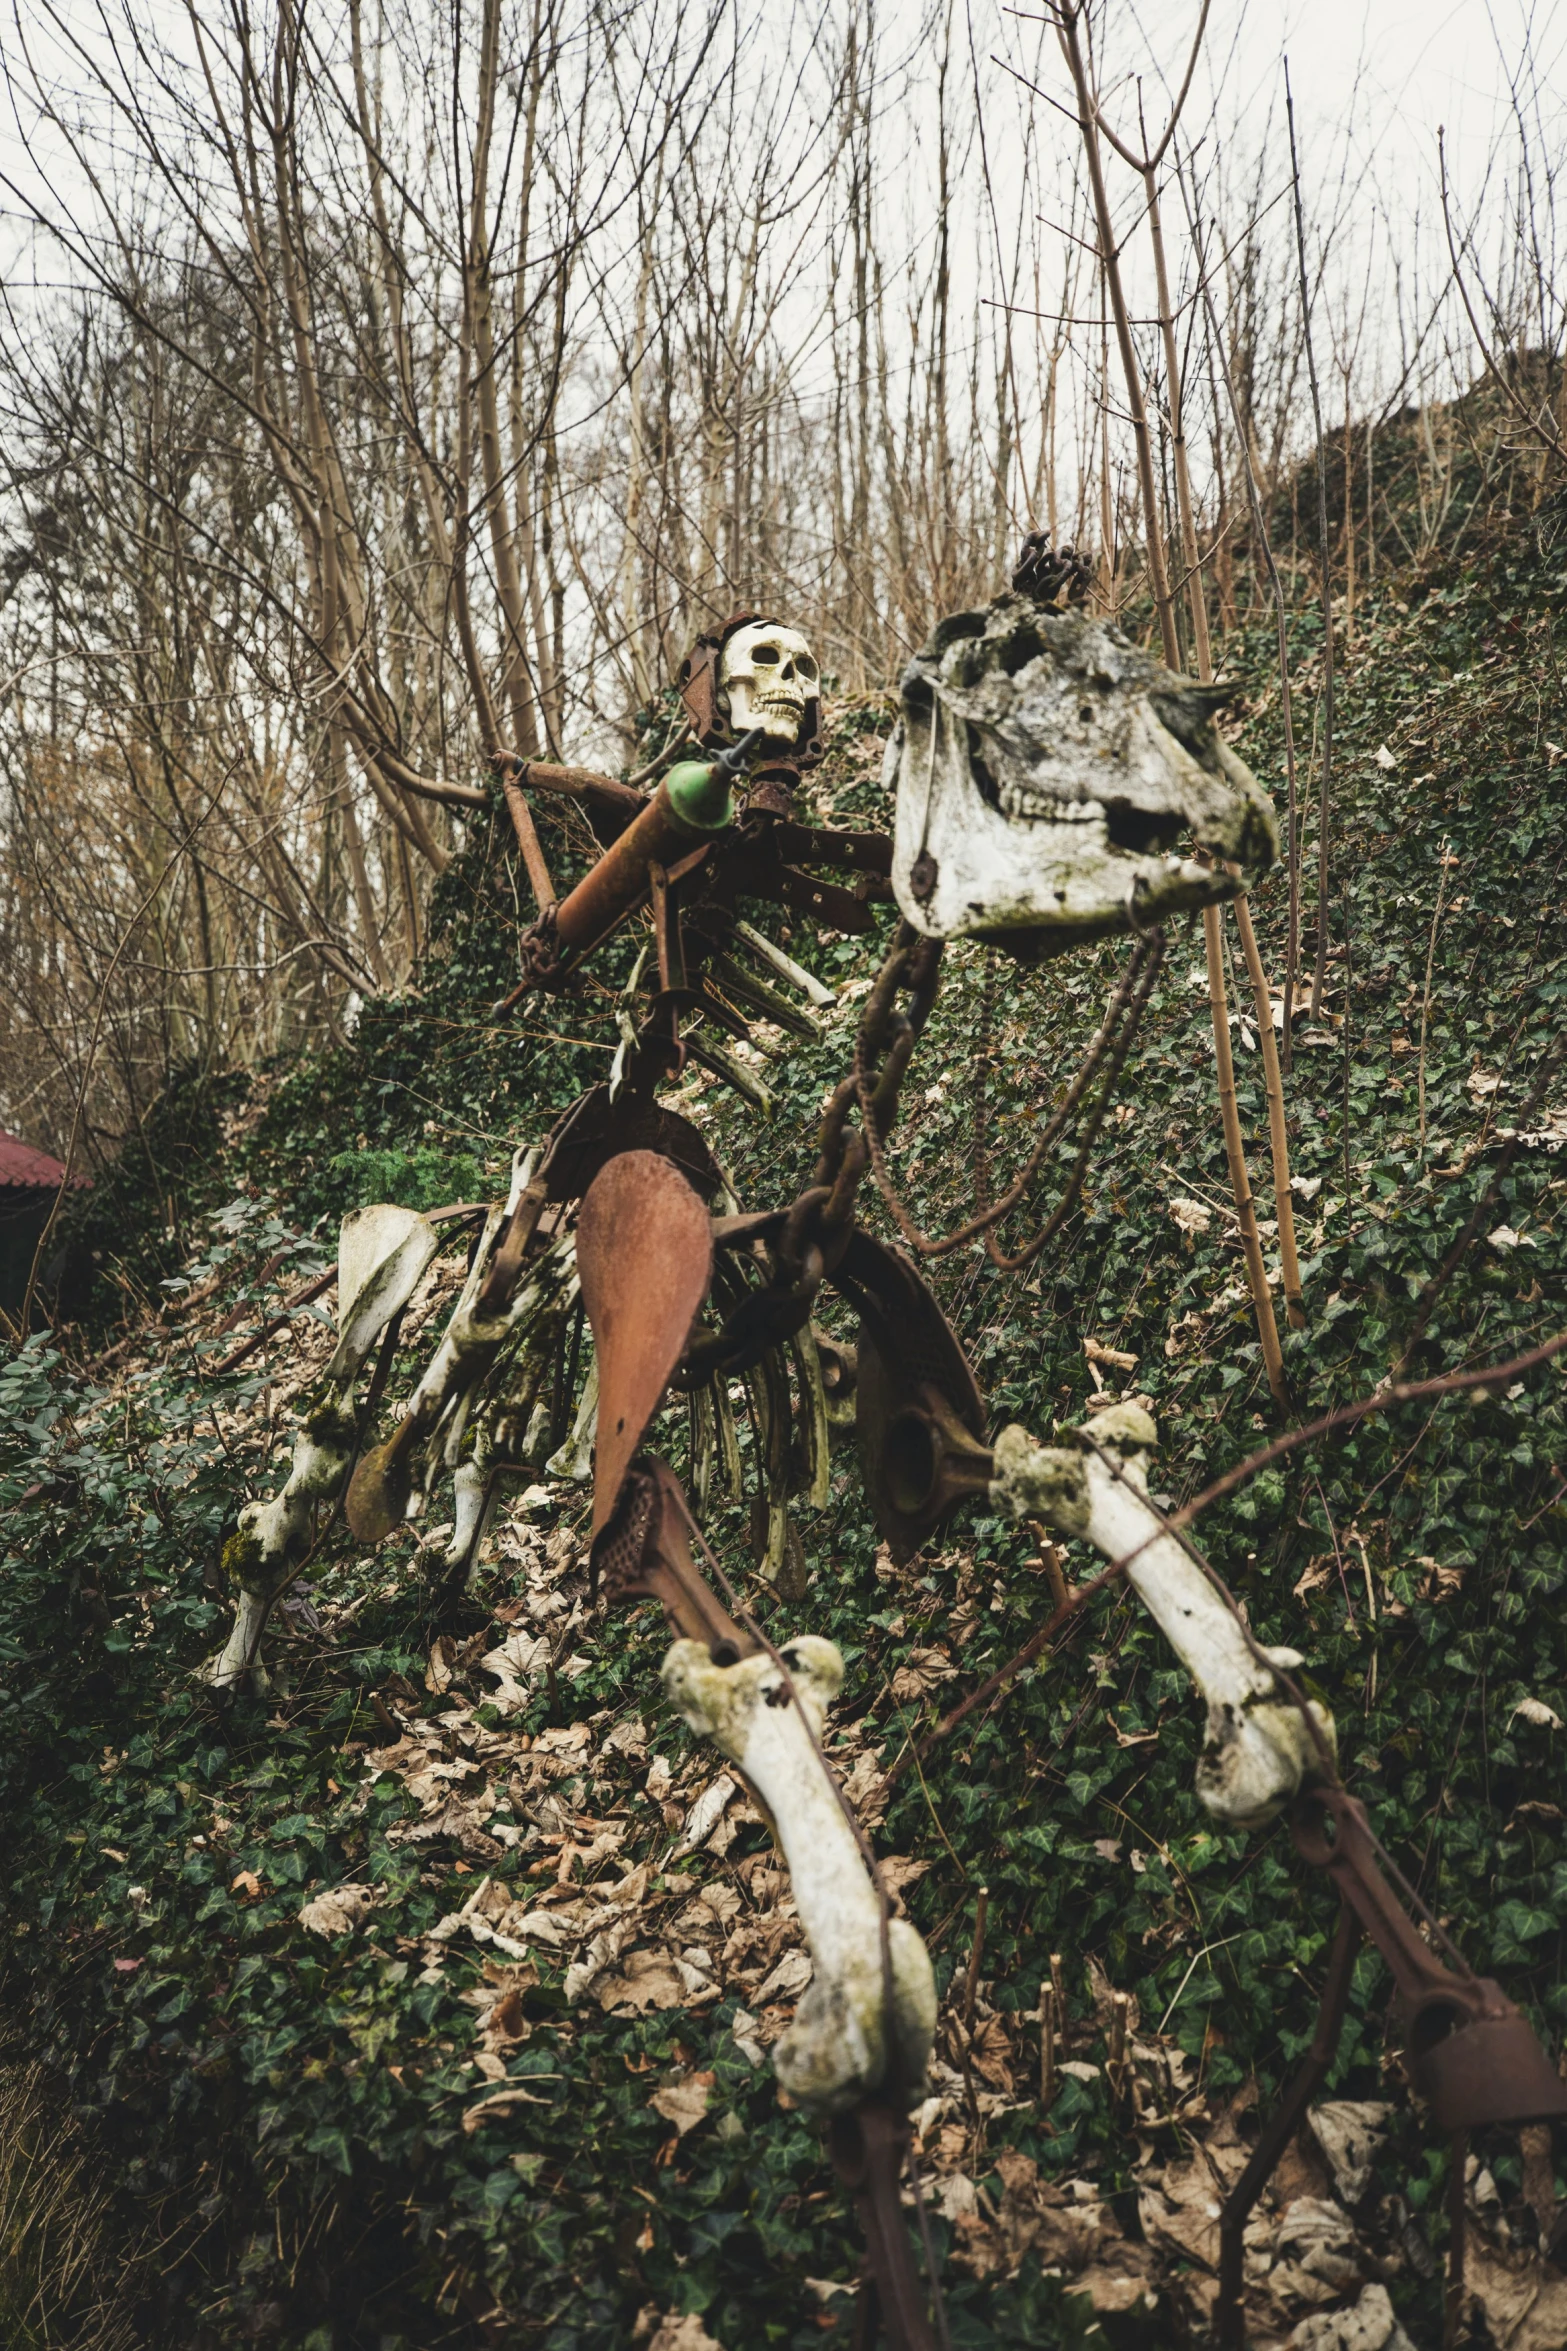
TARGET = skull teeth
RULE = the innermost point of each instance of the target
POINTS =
(1025, 804)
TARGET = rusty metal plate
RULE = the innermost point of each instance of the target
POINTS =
(1490, 2070)
(596, 1130)
(645, 1257)
(919, 1414)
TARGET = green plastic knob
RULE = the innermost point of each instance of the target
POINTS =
(699, 796)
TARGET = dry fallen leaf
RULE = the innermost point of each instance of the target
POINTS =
(648, 1980)
(1368, 2325)
(1349, 2132)
(338, 1910)
(920, 1671)
(498, 2102)
(683, 2334)
(684, 2101)
(1439, 1583)
(1182, 2213)
(245, 1882)
(788, 1979)
(1191, 1217)
(1536, 1711)
(1524, 2298)
(706, 1813)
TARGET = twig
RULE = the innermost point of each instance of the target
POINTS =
(1281, 630)
(1278, 1132)
(1235, 1150)
(971, 1980)
(1321, 967)
(1425, 998)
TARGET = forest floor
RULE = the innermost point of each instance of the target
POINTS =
(428, 2000)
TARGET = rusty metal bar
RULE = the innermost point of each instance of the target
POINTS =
(663, 830)
(1280, 2130)
(528, 841)
(868, 2146)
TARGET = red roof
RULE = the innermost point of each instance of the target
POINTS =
(31, 1170)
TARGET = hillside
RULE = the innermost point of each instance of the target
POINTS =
(279, 2126)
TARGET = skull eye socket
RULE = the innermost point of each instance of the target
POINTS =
(806, 666)
(767, 654)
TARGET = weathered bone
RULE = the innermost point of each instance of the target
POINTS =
(836, 2049)
(1258, 1750)
(389, 1483)
(381, 1253)
(1045, 773)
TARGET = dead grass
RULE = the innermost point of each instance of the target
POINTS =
(64, 2263)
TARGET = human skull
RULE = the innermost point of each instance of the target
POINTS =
(1045, 770)
(767, 675)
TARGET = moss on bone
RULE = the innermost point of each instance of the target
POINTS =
(1039, 1481)
(242, 1559)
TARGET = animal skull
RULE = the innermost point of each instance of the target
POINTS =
(1045, 771)
(766, 675)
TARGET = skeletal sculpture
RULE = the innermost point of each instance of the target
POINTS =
(1053, 785)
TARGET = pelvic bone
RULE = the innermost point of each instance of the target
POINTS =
(767, 674)
(836, 2048)
(1258, 1749)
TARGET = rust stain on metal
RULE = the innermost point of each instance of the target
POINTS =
(644, 1257)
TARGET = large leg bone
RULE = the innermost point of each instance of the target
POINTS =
(1258, 1748)
(382, 1251)
(836, 2049)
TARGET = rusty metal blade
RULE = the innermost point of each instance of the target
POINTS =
(378, 1492)
(644, 1257)
(643, 1553)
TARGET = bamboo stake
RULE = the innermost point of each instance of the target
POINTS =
(1146, 165)
(1240, 1181)
(1197, 598)
(1278, 1134)
(1281, 627)
(1425, 992)
(1319, 978)
(1047, 2047)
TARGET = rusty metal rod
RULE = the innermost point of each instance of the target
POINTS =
(1281, 2129)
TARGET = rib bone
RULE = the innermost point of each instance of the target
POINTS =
(1258, 1749)
(382, 1252)
(836, 2048)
